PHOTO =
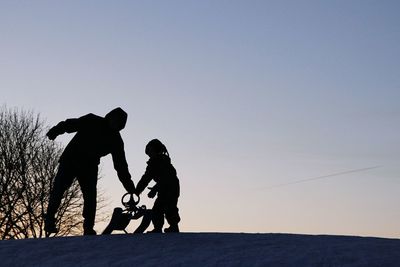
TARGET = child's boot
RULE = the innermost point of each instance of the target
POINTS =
(155, 230)
(172, 229)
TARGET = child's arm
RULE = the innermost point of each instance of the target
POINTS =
(144, 181)
(151, 172)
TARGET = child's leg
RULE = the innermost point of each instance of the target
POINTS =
(158, 215)
(171, 207)
(172, 215)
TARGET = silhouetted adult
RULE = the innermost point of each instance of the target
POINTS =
(95, 137)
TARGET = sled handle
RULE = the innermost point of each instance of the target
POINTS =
(131, 202)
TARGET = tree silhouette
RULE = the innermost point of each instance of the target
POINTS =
(28, 164)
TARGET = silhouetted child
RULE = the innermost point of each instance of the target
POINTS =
(160, 169)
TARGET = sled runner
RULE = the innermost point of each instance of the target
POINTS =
(122, 217)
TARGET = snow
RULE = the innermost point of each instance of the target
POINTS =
(202, 249)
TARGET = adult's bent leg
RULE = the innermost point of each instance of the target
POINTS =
(62, 181)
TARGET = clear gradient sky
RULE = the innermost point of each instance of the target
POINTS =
(245, 95)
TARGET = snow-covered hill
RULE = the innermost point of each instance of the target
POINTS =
(202, 249)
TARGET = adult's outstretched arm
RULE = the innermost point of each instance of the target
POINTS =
(121, 166)
(67, 126)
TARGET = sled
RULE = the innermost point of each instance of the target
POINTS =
(122, 217)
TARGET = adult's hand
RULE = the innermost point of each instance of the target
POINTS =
(52, 133)
(130, 187)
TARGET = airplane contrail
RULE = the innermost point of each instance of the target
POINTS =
(323, 177)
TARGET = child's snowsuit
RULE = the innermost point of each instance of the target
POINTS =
(160, 169)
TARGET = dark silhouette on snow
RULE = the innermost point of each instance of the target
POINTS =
(95, 137)
(122, 217)
(160, 169)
